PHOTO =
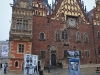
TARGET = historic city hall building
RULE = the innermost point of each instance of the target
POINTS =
(49, 31)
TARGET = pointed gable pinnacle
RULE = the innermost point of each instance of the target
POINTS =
(16, 1)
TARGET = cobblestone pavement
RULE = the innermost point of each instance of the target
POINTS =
(57, 71)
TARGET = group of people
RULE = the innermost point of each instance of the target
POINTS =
(30, 65)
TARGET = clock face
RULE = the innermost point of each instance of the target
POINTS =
(72, 22)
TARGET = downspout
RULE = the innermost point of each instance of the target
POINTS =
(94, 44)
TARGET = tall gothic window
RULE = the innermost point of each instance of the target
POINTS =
(65, 53)
(42, 54)
(78, 37)
(64, 34)
(21, 48)
(16, 64)
(87, 54)
(86, 37)
(57, 35)
(99, 50)
(42, 37)
(80, 53)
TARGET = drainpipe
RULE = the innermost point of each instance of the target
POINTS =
(94, 44)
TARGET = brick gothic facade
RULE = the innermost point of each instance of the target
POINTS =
(50, 34)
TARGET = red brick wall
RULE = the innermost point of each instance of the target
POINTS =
(40, 25)
(17, 56)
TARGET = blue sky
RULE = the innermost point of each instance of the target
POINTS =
(6, 11)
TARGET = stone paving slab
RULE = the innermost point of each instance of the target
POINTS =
(57, 71)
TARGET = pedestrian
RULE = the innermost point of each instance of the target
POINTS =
(0, 66)
(40, 72)
(5, 68)
(27, 68)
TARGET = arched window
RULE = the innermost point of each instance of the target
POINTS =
(57, 35)
(86, 37)
(78, 37)
(36, 13)
(64, 34)
(98, 33)
(16, 64)
(42, 36)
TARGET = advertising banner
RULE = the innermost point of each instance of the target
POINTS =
(74, 66)
(5, 50)
(72, 54)
(30, 64)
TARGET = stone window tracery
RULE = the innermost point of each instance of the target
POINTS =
(57, 35)
(78, 37)
(86, 39)
(64, 34)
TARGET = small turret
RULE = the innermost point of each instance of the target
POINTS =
(14, 1)
(96, 0)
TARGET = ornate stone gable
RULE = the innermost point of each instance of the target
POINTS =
(95, 14)
(25, 4)
(72, 8)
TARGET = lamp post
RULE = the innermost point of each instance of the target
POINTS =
(48, 47)
(75, 54)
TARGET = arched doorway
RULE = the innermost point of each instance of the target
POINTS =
(53, 60)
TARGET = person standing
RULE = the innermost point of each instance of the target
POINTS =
(27, 68)
(0, 66)
(5, 68)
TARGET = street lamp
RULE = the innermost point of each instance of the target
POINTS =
(75, 54)
(74, 48)
(48, 47)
